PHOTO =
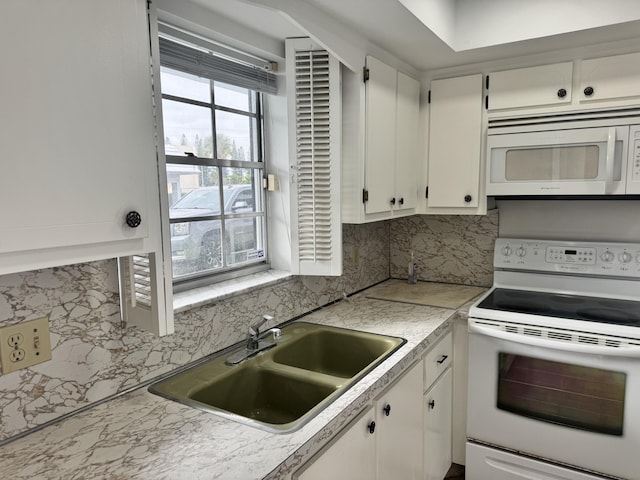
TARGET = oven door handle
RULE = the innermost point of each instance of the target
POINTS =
(555, 344)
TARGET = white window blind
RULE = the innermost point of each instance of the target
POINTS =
(205, 64)
(315, 114)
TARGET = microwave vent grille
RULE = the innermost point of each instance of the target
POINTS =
(569, 119)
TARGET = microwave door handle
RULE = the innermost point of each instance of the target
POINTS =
(610, 161)
(555, 344)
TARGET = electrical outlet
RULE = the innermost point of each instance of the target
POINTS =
(24, 344)
(15, 340)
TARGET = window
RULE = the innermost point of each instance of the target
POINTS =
(215, 166)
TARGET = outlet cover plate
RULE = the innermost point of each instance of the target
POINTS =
(24, 344)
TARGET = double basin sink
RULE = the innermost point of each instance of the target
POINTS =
(282, 388)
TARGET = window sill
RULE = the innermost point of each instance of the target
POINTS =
(211, 294)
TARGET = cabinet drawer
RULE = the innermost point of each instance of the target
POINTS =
(437, 360)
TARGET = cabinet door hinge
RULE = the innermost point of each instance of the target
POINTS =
(487, 82)
(429, 97)
(365, 195)
(365, 74)
(426, 192)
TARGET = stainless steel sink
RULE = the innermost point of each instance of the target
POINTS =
(282, 388)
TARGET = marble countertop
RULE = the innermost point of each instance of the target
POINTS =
(141, 435)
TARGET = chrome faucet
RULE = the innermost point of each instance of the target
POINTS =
(254, 344)
(253, 336)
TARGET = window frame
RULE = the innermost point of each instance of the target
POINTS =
(258, 166)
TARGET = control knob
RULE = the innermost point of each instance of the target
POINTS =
(521, 252)
(607, 256)
(625, 257)
(506, 251)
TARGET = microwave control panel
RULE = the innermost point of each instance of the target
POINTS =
(635, 157)
(588, 258)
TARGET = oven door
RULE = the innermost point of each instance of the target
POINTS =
(571, 403)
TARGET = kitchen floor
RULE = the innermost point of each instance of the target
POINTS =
(456, 472)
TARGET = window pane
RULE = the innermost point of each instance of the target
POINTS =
(180, 84)
(186, 193)
(246, 243)
(573, 395)
(242, 192)
(195, 247)
(236, 137)
(187, 129)
(234, 97)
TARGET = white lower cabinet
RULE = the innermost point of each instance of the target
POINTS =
(399, 429)
(405, 434)
(350, 456)
(382, 443)
(437, 427)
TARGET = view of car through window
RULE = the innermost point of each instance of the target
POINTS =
(197, 245)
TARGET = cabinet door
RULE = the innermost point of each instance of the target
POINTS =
(399, 428)
(380, 149)
(531, 86)
(77, 123)
(610, 78)
(407, 121)
(455, 127)
(437, 428)
(350, 457)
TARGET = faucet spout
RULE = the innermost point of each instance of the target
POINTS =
(254, 343)
(253, 336)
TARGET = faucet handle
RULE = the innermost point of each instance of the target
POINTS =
(255, 329)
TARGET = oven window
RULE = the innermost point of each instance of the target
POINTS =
(573, 395)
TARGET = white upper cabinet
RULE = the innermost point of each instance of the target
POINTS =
(407, 142)
(531, 86)
(380, 148)
(606, 82)
(455, 139)
(614, 78)
(380, 143)
(77, 132)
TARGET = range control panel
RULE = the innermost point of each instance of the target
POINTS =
(589, 258)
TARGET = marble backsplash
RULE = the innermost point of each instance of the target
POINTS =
(96, 356)
(446, 248)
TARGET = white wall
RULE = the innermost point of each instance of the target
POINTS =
(586, 220)
(482, 23)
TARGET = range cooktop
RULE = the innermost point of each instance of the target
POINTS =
(576, 307)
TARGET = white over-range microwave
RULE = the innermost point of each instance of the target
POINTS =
(575, 154)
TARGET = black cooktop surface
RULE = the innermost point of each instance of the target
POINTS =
(591, 309)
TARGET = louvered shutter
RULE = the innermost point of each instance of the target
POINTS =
(313, 76)
(143, 293)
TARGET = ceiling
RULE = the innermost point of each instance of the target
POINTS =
(480, 30)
